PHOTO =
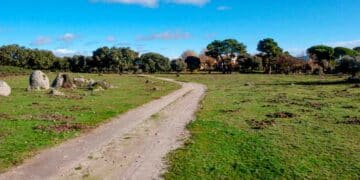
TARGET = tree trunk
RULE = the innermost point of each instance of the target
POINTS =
(270, 70)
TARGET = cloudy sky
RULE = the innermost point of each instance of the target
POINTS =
(169, 27)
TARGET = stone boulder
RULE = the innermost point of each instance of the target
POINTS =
(99, 85)
(38, 81)
(62, 81)
(82, 82)
(5, 89)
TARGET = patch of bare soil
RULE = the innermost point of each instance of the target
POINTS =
(229, 110)
(315, 105)
(352, 120)
(344, 93)
(254, 124)
(79, 108)
(349, 107)
(4, 116)
(281, 115)
(59, 128)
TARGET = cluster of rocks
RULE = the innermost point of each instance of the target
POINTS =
(39, 81)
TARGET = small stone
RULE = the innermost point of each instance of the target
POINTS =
(55, 92)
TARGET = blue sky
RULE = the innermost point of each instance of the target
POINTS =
(172, 26)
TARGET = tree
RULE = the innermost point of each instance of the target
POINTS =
(224, 51)
(343, 51)
(114, 59)
(357, 49)
(60, 64)
(101, 58)
(270, 51)
(350, 65)
(250, 63)
(207, 63)
(40, 59)
(178, 65)
(289, 64)
(321, 55)
(79, 63)
(192, 63)
(154, 62)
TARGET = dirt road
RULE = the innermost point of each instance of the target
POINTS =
(131, 146)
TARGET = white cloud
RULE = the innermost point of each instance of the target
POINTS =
(155, 3)
(165, 36)
(41, 40)
(223, 8)
(348, 44)
(64, 52)
(145, 3)
(191, 2)
(111, 39)
(67, 37)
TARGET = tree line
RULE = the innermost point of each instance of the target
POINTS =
(225, 56)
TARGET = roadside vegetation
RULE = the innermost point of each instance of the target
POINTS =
(279, 126)
(30, 121)
(226, 56)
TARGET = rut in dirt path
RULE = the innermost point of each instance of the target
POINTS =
(131, 146)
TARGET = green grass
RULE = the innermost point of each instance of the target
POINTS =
(11, 71)
(314, 144)
(22, 113)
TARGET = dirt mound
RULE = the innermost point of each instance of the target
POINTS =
(352, 120)
(281, 115)
(261, 124)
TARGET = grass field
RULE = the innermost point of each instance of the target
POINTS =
(11, 70)
(30, 121)
(260, 126)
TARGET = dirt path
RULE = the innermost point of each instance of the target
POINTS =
(131, 146)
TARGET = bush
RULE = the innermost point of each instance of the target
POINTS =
(178, 65)
(250, 64)
(350, 65)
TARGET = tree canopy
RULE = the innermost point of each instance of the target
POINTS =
(270, 51)
(269, 47)
(226, 48)
(343, 51)
(357, 49)
(154, 62)
(321, 52)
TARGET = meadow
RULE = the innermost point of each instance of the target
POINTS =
(272, 126)
(32, 121)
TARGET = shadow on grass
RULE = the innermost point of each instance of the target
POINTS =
(313, 83)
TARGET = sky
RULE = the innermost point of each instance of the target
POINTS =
(169, 27)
